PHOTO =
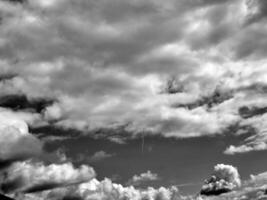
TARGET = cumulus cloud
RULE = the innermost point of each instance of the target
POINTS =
(30, 176)
(225, 178)
(143, 178)
(15, 141)
(106, 189)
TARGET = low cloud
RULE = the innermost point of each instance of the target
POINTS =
(32, 177)
(224, 179)
(15, 141)
(107, 190)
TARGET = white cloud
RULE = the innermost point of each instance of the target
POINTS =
(15, 140)
(224, 179)
(107, 190)
(34, 176)
(143, 178)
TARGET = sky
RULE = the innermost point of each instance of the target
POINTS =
(133, 99)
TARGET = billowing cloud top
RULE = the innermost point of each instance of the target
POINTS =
(224, 179)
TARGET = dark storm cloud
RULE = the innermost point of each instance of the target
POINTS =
(22, 102)
(11, 186)
(217, 97)
(248, 112)
(42, 187)
(72, 198)
(6, 77)
(255, 88)
(53, 130)
(16, 1)
(5, 197)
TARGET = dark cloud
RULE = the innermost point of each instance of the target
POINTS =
(42, 187)
(212, 2)
(6, 163)
(217, 97)
(72, 198)
(2, 197)
(254, 88)
(214, 192)
(6, 77)
(258, 10)
(53, 130)
(248, 112)
(22, 102)
(173, 86)
(10, 186)
(16, 1)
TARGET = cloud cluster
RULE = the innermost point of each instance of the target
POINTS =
(110, 64)
(20, 153)
(225, 178)
(106, 190)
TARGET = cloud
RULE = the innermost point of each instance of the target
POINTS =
(106, 189)
(30, 176)
(257, 10)
(21, 102)
(100, 155)
(105, 65)
(225, 178)
(7, 76)
(143, 178)
(15, 141)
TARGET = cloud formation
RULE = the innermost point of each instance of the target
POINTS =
(33, 177)
(225, 178)
(104, 65)
(106, 190)
(143, 178)
(16, 143)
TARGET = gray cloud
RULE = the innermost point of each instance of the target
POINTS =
(258, 10)
(107, 62)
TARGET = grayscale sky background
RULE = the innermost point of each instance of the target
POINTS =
(141, 93)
